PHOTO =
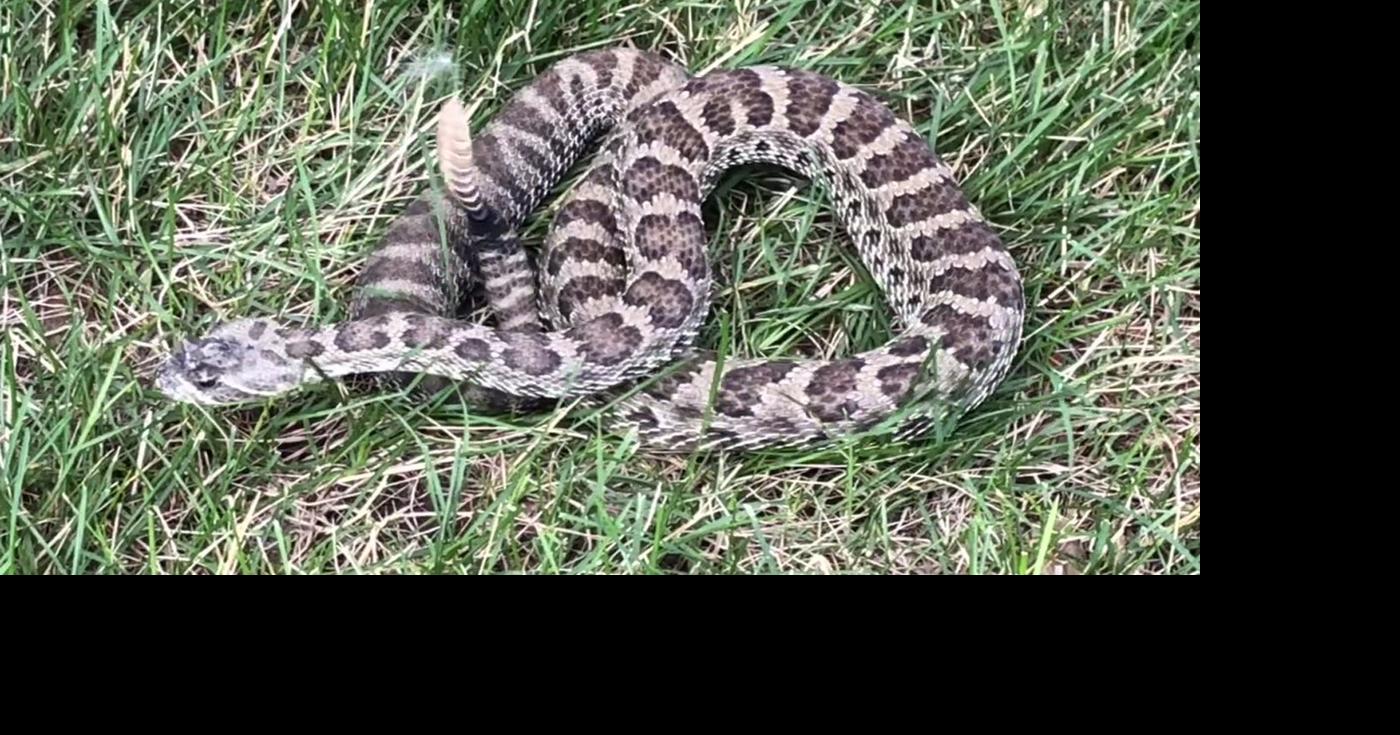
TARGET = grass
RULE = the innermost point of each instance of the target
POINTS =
(168, 165)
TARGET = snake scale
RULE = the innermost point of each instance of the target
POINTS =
(622, 281)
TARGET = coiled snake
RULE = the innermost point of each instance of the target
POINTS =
(623, 278)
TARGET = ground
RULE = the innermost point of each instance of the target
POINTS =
(167, 167)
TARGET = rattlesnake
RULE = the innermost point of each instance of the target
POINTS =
(623, 277)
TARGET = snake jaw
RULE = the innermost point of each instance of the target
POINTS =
(237, 362)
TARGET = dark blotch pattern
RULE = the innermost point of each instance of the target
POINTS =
(832, 390)
(760, 109)
(911, 156)
(550, 88)
(541, 163)
(671, 377)
(681, 236)
(743, 85)
(668, 301)
(423, 333)
(583, 250)
(645, 70)
(494, 167)
(529, 353)
(499, 262)
(754, 100)
(928, 248)
(664, 123)
(603, 63)
(717, 82)
(473, 349)
(991, 281)
(802, 162)
(648, 177)
(896, 381)
(579, 290)
(256, 330)
(718, 117)
(523, 117)
(909, 346)
(416, 270)
(605, 175)
(740, 388)
(867, 120)
(606, 340)
(303, 349)
(967, 336)
(809, 98)
(587, 210)
(364, 335)
(692, 255)
(747, 86)
(970, 237)
(915, 206)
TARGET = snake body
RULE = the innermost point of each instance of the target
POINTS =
(623, 280)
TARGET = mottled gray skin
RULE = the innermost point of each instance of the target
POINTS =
(623, 278)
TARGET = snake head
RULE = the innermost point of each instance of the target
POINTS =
(237, 362)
